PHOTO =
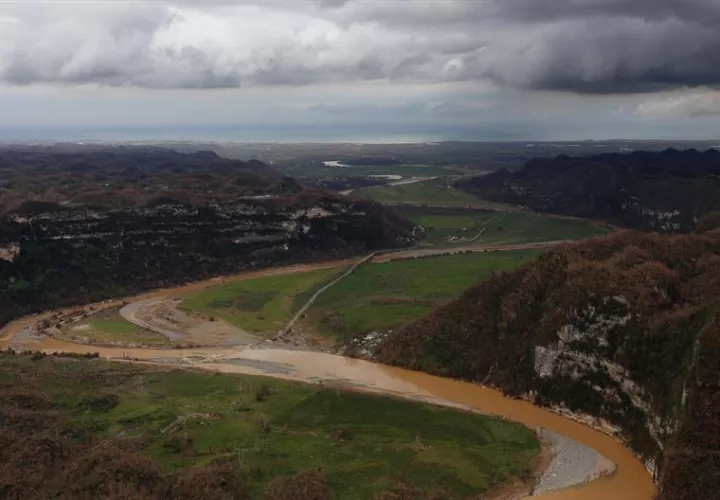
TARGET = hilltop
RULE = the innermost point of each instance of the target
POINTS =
(657, 191)
(128, 176)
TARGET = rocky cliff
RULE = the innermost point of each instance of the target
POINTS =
(619, 331)
(665, 192)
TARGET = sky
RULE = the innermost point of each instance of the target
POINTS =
(360, 70)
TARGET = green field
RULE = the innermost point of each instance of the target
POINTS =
(434, 192)
(381, 296)
(260, 305)
(185, 419)
(468, 227)
(109, 326)
(376, 296)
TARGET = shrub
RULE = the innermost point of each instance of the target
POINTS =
(262, 393)
(101, 404)
(305, 485)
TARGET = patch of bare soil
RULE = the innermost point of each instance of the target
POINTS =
(161, 315)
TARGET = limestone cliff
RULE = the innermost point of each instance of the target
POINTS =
(610, 331)
(63, 256)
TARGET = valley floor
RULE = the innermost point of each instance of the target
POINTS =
(341, 372)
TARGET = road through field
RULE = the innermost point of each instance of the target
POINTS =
(629, 482)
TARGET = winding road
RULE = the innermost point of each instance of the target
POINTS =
(630, 481)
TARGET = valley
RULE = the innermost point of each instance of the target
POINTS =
(286, 284)
(334, 371)
(360, 250)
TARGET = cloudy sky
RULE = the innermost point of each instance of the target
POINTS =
(360, 69)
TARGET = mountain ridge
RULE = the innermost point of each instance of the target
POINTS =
(664, 191)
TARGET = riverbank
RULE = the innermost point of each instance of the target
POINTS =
(630, 481)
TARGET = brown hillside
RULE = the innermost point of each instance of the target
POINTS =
(620, 327)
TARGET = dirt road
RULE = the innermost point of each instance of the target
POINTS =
(477, 247)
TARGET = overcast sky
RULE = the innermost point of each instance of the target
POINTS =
(361, 69)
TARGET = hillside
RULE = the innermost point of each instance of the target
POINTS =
(109, 222)
(123, 176)
(664, 191)
(622, 328)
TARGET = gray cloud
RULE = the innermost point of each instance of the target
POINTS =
(583, 46)
(686, 104)
(651, 10)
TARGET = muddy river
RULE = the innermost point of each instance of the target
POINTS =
(629, 482)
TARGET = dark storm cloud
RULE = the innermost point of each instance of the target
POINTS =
(606, 46)
(583, 46)
(652, 10)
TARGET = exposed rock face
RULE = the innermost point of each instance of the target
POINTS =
(70, 256)
(665, 192)
(611, 328)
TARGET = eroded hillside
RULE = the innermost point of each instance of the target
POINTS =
(620, 328)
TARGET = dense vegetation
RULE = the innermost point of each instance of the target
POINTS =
(81, 429)
(621, 327)
(127, 177)
(665, 192)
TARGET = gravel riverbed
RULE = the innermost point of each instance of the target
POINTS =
(573, 464)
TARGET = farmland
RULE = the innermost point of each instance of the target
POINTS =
(432, 192)
(448, 226)
(385, 295)
(375, 296)
(260, 305)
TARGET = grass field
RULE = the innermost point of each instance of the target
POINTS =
(446, 227)
(261, 305)
(185, 419)
(109, 326)
(382, 296)
(376, 296)
(434, 192)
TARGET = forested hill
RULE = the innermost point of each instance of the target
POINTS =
(82, 227)
(623, 327)
(129, 176)
(662, 191)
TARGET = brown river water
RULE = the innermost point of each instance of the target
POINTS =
(629, 482)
